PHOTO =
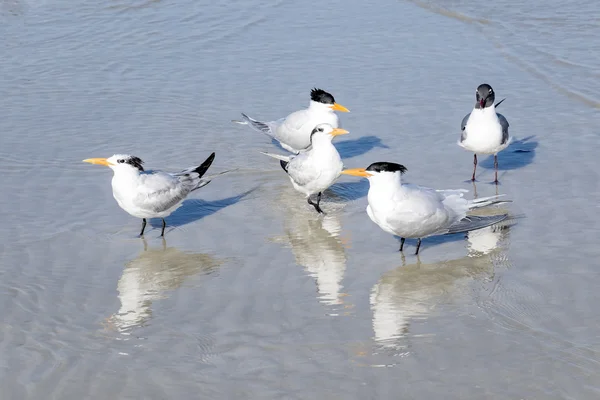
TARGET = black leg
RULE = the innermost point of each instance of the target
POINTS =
(316, 205)
(143, 226)
(418, 246)
(163, 229)
(402, 243)
(474, 166)
(496, 168)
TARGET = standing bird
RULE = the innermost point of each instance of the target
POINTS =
(293, 132)
(484, 131)
(151, 194)
(411, 211)
(315, 170)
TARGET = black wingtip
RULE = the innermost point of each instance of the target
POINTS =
(201, 170)
(284, 165)
(500, 102)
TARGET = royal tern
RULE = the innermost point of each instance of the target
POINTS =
(313, 171)
(151, 194)
(484, 131)
(411, 211)
(293, 132)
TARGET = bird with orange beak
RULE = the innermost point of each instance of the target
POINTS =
(315, 170)
(151, 194)
(293, 132)
(411, 211)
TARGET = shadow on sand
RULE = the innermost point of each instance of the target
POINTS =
(192, 210)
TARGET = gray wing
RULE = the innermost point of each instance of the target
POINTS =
(160, 191)
(463, 135)
(302, 170)
(504, 123)
(473, 222)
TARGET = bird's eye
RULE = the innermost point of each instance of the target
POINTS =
(121, 161)
(320, 129)
(490, 90)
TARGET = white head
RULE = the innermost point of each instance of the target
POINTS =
(320, 99)
(119, 163)
(378, 173)
(325, 132)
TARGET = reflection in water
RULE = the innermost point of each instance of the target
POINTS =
(317, 246)
(412, 292)
(150, 276)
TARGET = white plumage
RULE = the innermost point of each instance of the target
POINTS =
(293, 132)
(484, 131)
(412, 211)
(151, 194)
(315, 170)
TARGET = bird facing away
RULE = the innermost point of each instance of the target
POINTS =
(484, 131)
(293, 132)
(313, 171)
(151, 194)
(411, 211)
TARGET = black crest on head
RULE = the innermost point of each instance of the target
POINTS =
(135, 162)
(321, 96)
(386, 167)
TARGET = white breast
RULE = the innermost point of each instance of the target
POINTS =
(483, 132)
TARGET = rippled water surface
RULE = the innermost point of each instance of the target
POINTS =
(252, 295)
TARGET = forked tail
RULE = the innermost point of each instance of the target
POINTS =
(277, 156)
(254, 124)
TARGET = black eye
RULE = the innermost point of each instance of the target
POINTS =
(320, 129)
(120, 161)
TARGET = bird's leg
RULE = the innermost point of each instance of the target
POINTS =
(401, 243)
(316, 205)
(418, 246)
(162, 234)
(143, 226)
(496, 168)
(474, 166)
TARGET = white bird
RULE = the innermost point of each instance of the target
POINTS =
(313, 171)
(411, 211)
(151, 194)
(484, 131)
(293, 132)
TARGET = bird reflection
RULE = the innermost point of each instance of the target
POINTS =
(411, 292)
(317, 246)
(150, 277)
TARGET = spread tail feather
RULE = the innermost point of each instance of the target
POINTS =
(473, 222)
(277, 156)
(254, 124)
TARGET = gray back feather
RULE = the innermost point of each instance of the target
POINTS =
(504, 123)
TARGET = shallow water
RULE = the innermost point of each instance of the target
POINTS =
(252, 295)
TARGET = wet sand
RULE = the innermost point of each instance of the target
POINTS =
(253, 295)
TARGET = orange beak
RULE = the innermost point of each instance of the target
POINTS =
(339, 107)
(338, 131)
(357, 172)
(98, 161)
